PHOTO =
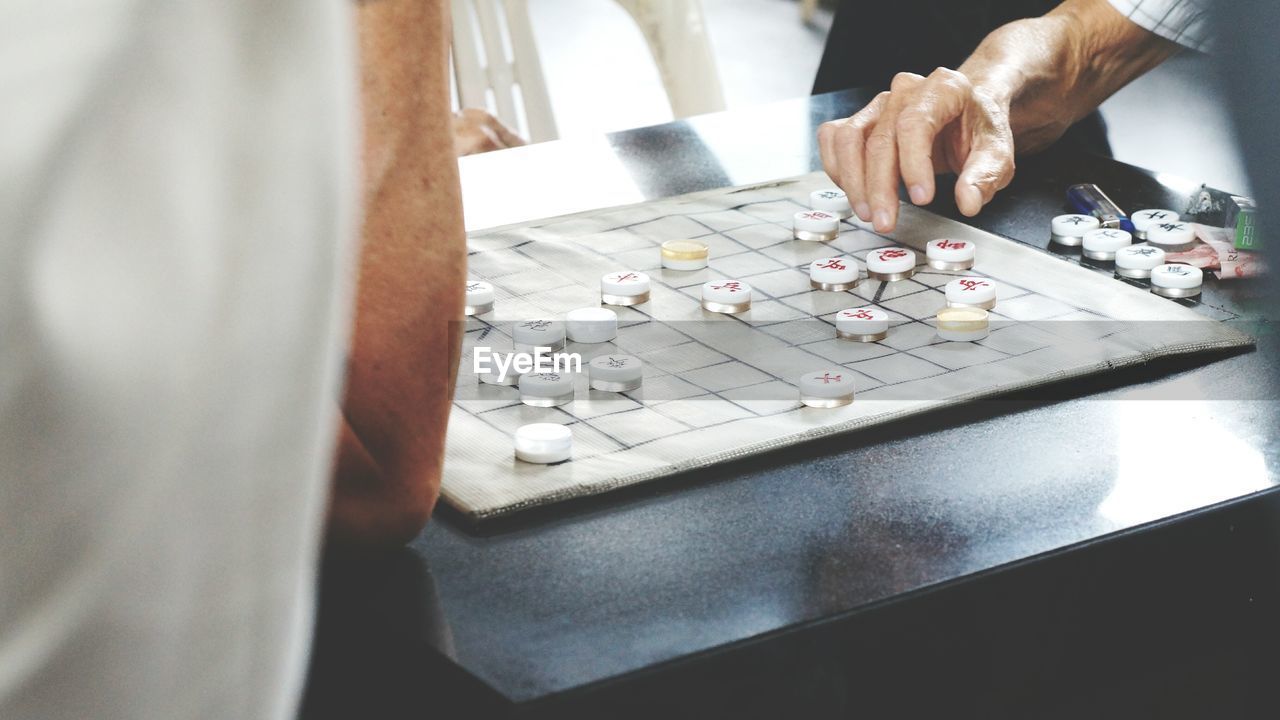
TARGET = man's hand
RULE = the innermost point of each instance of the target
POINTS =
(1021, 89)
(476, 131)
(921, 127)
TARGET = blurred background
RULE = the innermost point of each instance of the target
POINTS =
(1173, 120)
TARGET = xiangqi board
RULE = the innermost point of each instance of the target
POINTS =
(718, 387)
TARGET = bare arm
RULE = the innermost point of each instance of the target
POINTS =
(1021, 89)
(1052, 71)
(404, 351)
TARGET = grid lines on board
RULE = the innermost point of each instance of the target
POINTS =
(721, 387)
(910, 303)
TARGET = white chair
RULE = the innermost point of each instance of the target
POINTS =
(484, 31)
(677, 36)
(481, 31)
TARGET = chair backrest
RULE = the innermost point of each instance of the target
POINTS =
(484, 32)
(676, 32)
(494, 54)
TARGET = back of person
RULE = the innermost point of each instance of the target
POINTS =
(175, 206)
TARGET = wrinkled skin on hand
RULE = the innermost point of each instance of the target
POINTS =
(921, 127)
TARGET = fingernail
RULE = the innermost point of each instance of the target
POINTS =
(882, 220)
(863, 210)
(973, 198)
(918, 195)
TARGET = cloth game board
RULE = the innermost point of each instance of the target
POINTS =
(721, 387)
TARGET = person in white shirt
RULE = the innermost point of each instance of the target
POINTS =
(181, 202)
(1021, 89)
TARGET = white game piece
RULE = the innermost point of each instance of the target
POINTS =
(946, 254)
(1137, 261)
(1176, 280)
(615, 373)
(592, 325)
(831, 200)
(826, 388)
(889, 264)
(963, 324)
(971, 292)
(1070, 229)
(1144, 219)
(500, 360)
(544, 443)
(684, 255)
(864, 324)
(1172, 236)
(479, 298)
(538, 333)
(726, 296)
(1102, 244)
(624, 288)
(546, 389)
(835, 274)
(815, 226)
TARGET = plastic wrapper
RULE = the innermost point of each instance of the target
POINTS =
(1215, 252)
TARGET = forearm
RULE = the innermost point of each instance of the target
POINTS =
(1053, 70)
(404, 349)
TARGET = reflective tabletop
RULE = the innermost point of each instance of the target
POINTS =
(659, 582)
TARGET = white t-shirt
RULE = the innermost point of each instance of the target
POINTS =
(177, 186)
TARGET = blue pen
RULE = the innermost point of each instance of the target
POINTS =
(1088, 199)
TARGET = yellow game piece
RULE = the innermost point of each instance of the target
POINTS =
(963, 324)
(684, 255)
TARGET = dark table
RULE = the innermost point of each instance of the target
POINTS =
(1102, 548)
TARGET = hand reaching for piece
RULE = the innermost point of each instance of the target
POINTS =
(1024, 85)
(921, 127)
(476, 131)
